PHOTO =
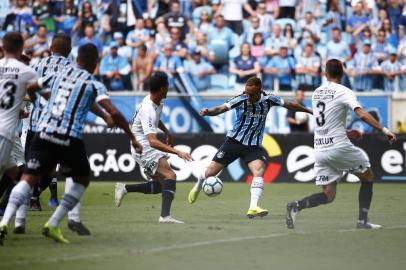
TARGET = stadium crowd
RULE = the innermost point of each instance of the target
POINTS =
(221, 43)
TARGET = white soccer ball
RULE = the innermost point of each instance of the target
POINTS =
(212, 186)
(301, 117)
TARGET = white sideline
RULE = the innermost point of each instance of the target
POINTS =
(183, 246)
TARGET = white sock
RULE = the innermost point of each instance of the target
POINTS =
(69, 200)
(18, 196)
(68, 184)
(74, 214)
(200, 180)
(257, 186)
(22, 212)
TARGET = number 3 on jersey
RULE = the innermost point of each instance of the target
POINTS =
(321, 120)
(7, 101)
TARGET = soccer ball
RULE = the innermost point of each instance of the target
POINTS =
(301, 117)
(212, 186)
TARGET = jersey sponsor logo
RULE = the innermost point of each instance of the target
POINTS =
(9, 70)
(251, 114)
(33, 164)
(322, 132)
(220, 154)
(54, 139)
(324, 141)
(323, 97)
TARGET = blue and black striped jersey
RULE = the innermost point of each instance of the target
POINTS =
(73, 92)
(249, 126)
(49, 65)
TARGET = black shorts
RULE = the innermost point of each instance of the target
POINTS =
(232, 149)
(47, 150)
(28, 140)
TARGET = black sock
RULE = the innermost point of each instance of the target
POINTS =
(365, 198)
(53, 188)
(35, 193)
(6, 196)
(168, 193)
(313, 200)
(5, 183)
(153, 187)
(44, 183)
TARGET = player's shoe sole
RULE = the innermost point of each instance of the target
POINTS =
(54, 233)
(78, 227)
(119, 193)
(193, 194)
(3, 234)
(367, 225)
(169, 220)
(19, 230)
(257, 212)
(291, 213)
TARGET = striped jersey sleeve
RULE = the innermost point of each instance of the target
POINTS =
(275, 101)
(235, 101)
(100, 91)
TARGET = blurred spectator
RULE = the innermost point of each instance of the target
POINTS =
(179, 47)
(377, 23)
(45, 54)
(273, 43)
(310, 30)
(287, 8)
(162, 36)
(163, 7)
(204, 23)
(220, 42)
(272, 8)
(175, 19)
(380, 48)
(86, 16)
(333, 18)
(39, 42)
(338, 48)
(394, 10)
(233, 15)
(258, 46)
(115, 70)
(308, 69)
(391, 36)
(283, 67)
(391, 69)
(361, 34)
(149, 25)
(168, 62)
(42, 15)
(247, 36)
(221, 33)
(142, 67)
(298, 121)
(200, 44)
(245, 65)
(119, 17)
(20, 18)
(137, 36)
(289, 34)
(67, 20)
(91, 38)
(358, 19)
(305, 6)
(123, 49)
(199, 71)
(265, 19)
(363, 67)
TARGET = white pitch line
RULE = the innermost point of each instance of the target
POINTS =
(182, 246)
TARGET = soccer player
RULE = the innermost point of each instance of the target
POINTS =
(146, 122)
(245, 139)
(58, 140)
(334, 152)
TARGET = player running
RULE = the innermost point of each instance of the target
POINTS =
(59, 138)
(245, 139)
(334, 152)
(146, 122)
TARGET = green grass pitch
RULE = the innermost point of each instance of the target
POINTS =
(217, 235)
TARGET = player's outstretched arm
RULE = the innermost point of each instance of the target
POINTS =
(370, 120)
(154, 142)
(120, 121)
(213, 111)
(296, 107)
(105, 116)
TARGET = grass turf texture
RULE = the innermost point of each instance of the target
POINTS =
(217, 235)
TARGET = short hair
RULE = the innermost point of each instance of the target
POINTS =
(25, 59)
(254, 81)
(336, 29)
(88, 54)
(61, 44)
(142, 47)
(13, 42)
(157, 81)
(334, 68)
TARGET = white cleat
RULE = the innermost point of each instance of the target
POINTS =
(119, 193)
(169, 220)
(366, 225)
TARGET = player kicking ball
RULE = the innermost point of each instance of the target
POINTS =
(334, 152)
(245, 139)
(153, 159)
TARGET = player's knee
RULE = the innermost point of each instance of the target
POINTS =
(170, 176)
(82, 180)
(331, 195)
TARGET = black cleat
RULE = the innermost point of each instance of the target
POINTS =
(19, 230)
(78, 227)
(291, 213)
(35, 205)
(3, 234)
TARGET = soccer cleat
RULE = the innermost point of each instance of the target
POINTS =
(78, 227)
(119, 193)
(169, 220)
(19, 230)
(361, 224)
(3, 234)
(53, 202)
(35, 205)
(257, 212)
(193, 194)
(291, 213)
(54, 233)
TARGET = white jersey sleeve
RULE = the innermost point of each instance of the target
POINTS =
(350, 100)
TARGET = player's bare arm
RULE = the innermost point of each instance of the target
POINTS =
(102, 114)
(370, 120)
(213, 111)
(354, 134)
(121, 122)
(168, 135)
(296, 107)
(157, 144)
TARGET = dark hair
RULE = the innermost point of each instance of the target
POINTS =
(334, 68)
(13, 42)
(25, 59)
(61, 44)
(256, 35)
(336, 29)
(254, 81)
(88, 54)
(42, 26)
(157, 81)
(285, 30)
(143, 47)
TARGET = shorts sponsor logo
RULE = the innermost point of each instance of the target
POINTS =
(323, 141)
(322, 178)
(33, 164)
(220, 154)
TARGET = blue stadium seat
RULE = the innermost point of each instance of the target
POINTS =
(220, 49)
(235, 51)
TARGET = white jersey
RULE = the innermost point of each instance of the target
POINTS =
(331, 104)
(14, 79)
(146, 120)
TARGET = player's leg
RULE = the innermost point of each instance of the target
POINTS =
(53, 189)
(257, 168)
(151, 187)
(74, 222)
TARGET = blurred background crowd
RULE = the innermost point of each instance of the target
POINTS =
(219, 44)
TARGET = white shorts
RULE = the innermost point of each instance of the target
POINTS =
(149, 159)
(330, 165)
(18, 151)
(6, 159)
